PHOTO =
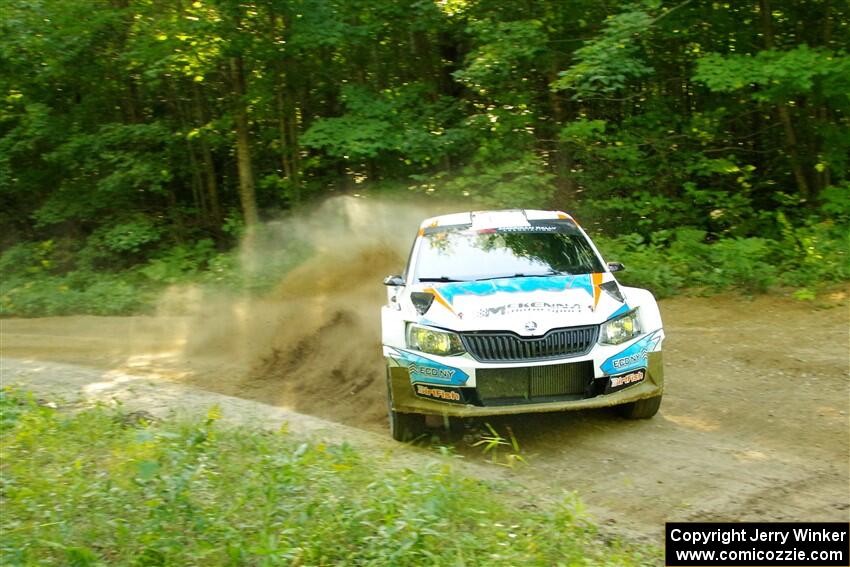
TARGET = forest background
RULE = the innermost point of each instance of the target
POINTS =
(704, 144)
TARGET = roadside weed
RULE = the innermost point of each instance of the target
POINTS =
(85, 488)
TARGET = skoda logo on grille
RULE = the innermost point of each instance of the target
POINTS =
(530, 326)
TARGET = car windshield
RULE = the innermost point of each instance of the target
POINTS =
(534, 251)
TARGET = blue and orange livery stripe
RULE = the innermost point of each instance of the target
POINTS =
(440, 299)
(597, 291)
(519, 284)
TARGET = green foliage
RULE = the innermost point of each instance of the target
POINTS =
(783, 78)
(27, 258)
(608, 62)
(395, 121)
(809, 255)
(503, 52)
(836, 203)
(119, 153)
(180, 263)
(131, 236)
(518, 183)
(814, 252)
(34, 283)
(92, 487)
(778, 75)
(73, 293)
(112, 167)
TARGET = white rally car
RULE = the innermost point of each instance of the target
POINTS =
(506, 312)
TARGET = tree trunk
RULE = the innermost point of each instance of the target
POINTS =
(782, 110)
(210, 181)
(197, 184)
(565, 193)
(823, 111)
(247, 195)
(279, 88)
(292, 127)
(283, 134)
(175, 106)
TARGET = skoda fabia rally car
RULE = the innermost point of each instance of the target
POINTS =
(506, 312)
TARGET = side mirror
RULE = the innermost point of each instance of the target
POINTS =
(615, 267)
(394, 281)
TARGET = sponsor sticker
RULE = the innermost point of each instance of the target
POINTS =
(531, 306)
(444, 373)
(532, 228)
(435, 393)
(623, 380)
(630, 360)
(634, 356)
(423, 369)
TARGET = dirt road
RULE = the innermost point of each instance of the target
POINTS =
(754, 424)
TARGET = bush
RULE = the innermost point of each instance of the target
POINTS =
(814, 252)
(31, 286)
(180, 263)
(675, 261)
(76, 292)
(739, 263)
(647, 264)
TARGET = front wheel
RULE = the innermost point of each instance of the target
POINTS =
(403, 426)
(641, 409)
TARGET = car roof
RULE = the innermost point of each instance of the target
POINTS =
(493, 219)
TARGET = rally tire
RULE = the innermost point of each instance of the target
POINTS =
(403, 426)
(406, 426)
(641, 409)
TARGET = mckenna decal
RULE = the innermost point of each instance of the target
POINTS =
(436, 393)
(531, 306)
(444, 373)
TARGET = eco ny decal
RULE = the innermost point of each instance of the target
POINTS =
(423, 369)
(633, 357)
(445, 373)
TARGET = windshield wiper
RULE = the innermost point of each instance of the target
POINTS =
(543, 275)
(441, 279)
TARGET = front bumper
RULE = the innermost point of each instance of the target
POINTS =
(405, 400)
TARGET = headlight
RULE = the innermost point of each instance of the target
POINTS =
(621, 329)
(433, 341)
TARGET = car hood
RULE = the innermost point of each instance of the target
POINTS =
(528, 306)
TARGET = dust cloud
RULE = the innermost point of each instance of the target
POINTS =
(313, 342)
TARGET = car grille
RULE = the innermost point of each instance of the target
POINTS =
(530, 384)
(502, 346)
